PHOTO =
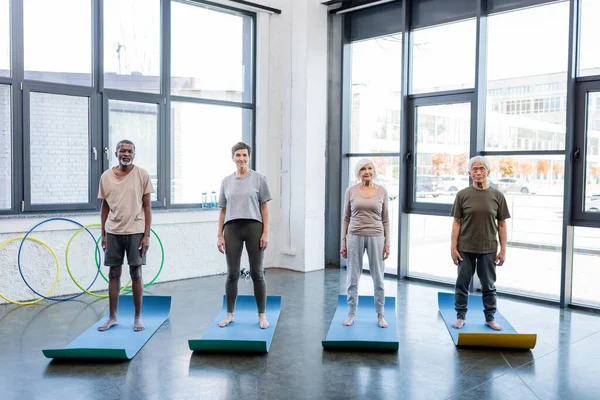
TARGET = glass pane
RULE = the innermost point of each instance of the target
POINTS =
(444, 57)
(429, 248)
(533, 187)
(58, 41)
(526, 79)
(5, 38)
(59, 149)
(211, 53)
(586, 274)
(375, 108)
(5, 148)
(442, 151)
(388, 177)
(592, 156)
(589, 57)
(132, 45)
(137, 122)
(201, 149)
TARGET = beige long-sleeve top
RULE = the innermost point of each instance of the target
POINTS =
(366, 216)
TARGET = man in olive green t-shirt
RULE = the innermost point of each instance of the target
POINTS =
(480, 214)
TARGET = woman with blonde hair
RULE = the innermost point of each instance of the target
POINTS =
(365, 227)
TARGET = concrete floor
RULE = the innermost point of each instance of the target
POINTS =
(564, 365)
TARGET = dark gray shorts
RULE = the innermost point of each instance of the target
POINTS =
(119, 245)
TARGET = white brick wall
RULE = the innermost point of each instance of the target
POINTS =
(60, 151)
(5, 147)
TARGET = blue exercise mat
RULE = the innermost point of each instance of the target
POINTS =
(364, 333)
(244, 334)
(119, 342)
(475, 333)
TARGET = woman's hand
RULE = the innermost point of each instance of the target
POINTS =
(343, 251)
(264, 239)
(221, 244)
(386, 251)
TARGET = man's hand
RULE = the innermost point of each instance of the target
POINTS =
(221, 244)
(500, 258)
(386, 251)
(456, 258)
(144, 244)
(104, 242)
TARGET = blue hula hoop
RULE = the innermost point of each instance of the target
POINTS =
(19, 259)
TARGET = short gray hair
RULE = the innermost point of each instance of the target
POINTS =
(480, 159)
(360, 164)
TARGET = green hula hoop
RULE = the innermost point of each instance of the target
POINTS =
(162, 262)
(103, 296)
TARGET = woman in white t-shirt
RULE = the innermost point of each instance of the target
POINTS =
(244, 219)
(365, 227)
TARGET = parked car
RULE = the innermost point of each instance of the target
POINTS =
(428, 184)
(453, 183)
(514, 185)
(592, 206)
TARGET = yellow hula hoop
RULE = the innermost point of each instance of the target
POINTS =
(103, 296)
(27, 303)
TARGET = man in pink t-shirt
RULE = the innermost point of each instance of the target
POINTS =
(126, 217)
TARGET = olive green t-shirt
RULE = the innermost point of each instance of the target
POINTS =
(479, 211)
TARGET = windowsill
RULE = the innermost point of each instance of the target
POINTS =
(24, 222)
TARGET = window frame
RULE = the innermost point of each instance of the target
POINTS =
(98, 107)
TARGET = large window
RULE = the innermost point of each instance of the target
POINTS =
(5, 37)
(176, 77)
(589, 56)
(58, 41)
(586, 270)
(592, 156)
(429, 248)
(533, 188)
(198, 168)
(5, 149)
(443, 57)
(59, 161)
(375, 105)
(137, 122)
(442, 139)
(487, 78)
(526, 79)
(210, 53)
(132, 45)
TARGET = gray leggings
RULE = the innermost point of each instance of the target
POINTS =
(237, 232)
(485, 266)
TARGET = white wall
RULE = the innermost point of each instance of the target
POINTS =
(291, 132)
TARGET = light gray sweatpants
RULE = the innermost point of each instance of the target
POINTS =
(355, 247)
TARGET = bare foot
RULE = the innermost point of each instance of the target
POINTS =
(350, 320)
(110, 322)
(228, 319)
(381, 321)
(458, 324)
(138, 325)
(492, 324)
(262, 321)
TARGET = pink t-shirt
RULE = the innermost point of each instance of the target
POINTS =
(124, 195)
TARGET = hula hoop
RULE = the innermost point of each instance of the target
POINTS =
(19, 258)
(162, 262)
(27, 303)
(102, 296)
